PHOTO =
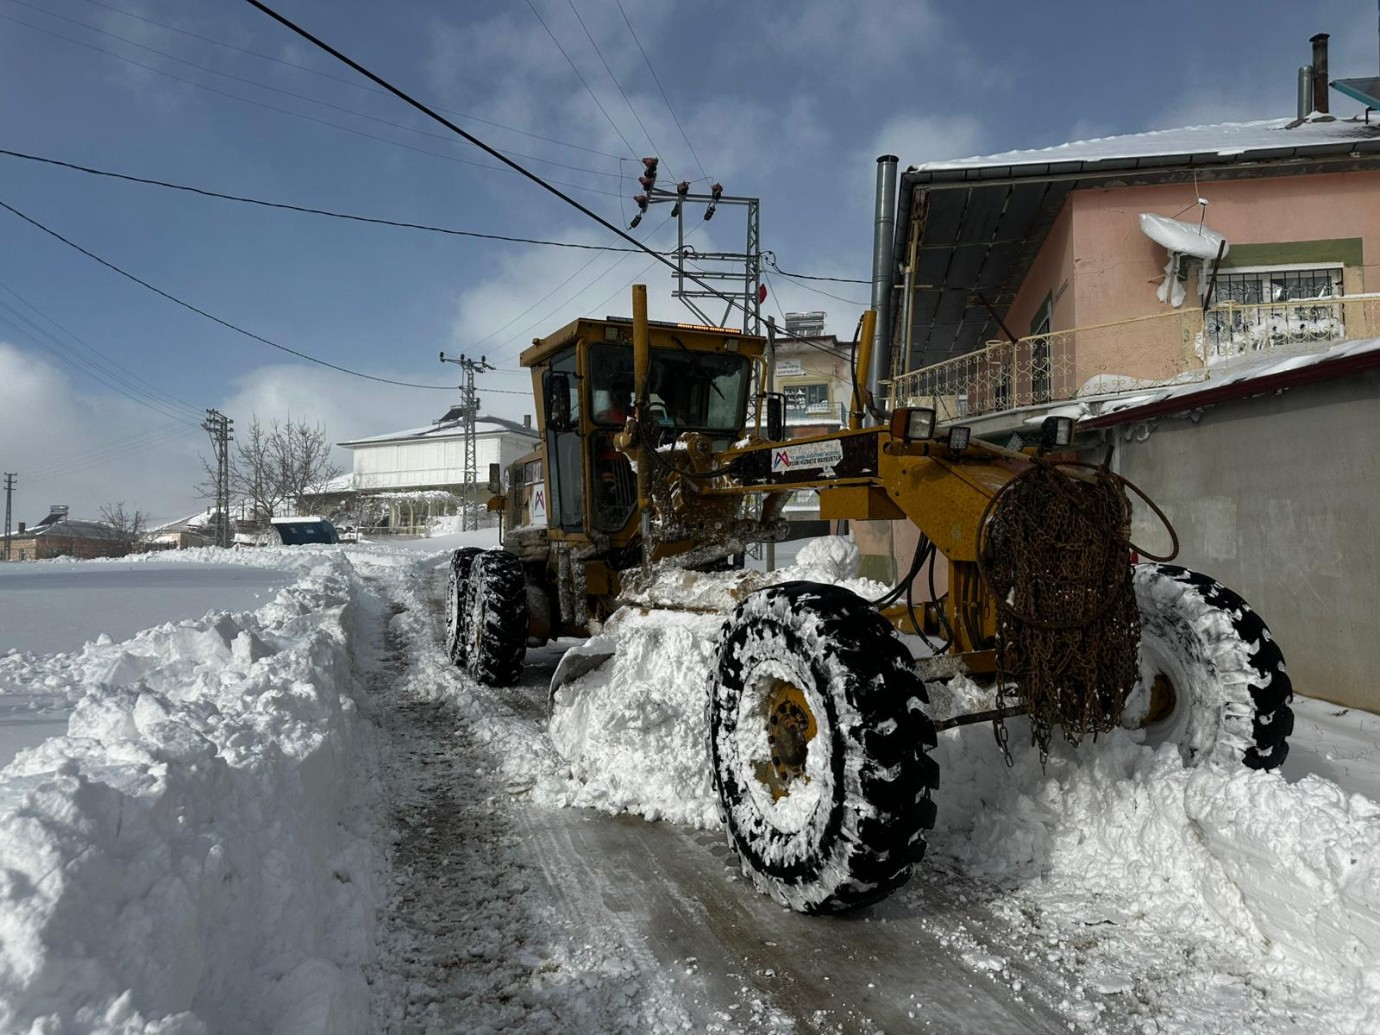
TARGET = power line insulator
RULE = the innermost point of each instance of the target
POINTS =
(715, 193)
(682, 189)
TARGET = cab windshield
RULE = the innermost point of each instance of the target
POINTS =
(690, 391)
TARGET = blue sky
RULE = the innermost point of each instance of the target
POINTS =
(103, 382)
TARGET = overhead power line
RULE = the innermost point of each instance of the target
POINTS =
(545, 185)
(354, 217)
(205, 192)
(631, 153)
(298, 114)
(216, 319)
(339, 79)
(108, 373)
(619, 86)
(656, 79)
(770, 259)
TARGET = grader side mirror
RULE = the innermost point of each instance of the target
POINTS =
(495, 479)
(558, 413)
(776, 417)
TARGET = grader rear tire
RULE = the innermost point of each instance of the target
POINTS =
(460, 562)
(495, 622)
(818, 744)
(1212, 679)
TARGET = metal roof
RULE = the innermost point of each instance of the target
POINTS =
(982, 220)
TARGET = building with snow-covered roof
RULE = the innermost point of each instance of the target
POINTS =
(1033, 277)
(418, 474)
(1206, 303)
(57, 536)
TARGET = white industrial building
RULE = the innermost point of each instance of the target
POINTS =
(419, 473)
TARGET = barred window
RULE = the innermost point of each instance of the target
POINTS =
(1254, 287)
(1290, 305)
(807, 400)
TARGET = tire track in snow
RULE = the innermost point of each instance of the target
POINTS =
(470, 937)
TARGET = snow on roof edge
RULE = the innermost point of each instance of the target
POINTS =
(1224, 138)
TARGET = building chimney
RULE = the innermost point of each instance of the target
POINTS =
(1319, 72)
(22, 526)
(526, 420)
(1305, 91)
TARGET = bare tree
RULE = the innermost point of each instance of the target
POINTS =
(275, 463)
(130, 527)
(302, 456)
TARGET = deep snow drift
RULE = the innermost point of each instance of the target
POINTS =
(200, 852)
(162, 865)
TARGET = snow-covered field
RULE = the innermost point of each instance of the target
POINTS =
(288, 814)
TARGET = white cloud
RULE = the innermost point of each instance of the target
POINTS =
(856, 39)
(915, 139)
(88, 449)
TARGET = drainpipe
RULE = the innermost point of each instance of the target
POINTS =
(883, 243)
(1319, 72)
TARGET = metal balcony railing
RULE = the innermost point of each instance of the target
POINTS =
(1182, 345)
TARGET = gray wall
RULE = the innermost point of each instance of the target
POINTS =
(1276, 497)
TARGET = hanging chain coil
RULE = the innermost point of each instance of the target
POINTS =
(1055, 552)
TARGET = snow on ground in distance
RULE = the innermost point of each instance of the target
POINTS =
(200, 851)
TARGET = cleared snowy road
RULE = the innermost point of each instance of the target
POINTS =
(678, 891)
(512, 915)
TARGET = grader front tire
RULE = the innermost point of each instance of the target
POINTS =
(495, 623)
(818, 744)
(460, 563)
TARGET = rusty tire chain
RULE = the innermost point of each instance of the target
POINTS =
(1056, 554)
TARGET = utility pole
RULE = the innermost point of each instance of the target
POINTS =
(469, 409)
(742, 270)
(219, 427)
(9, 492)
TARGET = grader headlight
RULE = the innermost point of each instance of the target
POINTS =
(912, 424)
(1056, 433)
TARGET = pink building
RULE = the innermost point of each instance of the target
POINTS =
(1080, 271)
(1206, 302)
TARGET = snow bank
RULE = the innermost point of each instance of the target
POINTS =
(634, 729)
(178, 861)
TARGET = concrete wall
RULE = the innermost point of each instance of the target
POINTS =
(1276, 497)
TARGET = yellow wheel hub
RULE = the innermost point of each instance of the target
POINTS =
(790, 728)
(1163, 698)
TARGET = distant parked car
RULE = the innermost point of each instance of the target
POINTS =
(294, 531)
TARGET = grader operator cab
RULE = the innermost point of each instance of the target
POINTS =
(819, 736)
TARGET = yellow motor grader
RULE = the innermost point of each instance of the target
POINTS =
(819, 736)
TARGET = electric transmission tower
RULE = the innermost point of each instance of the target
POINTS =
(220, 429)
(9, 492)
(469, 410)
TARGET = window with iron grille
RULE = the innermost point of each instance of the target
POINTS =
(807, 400)
(1277, 306)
